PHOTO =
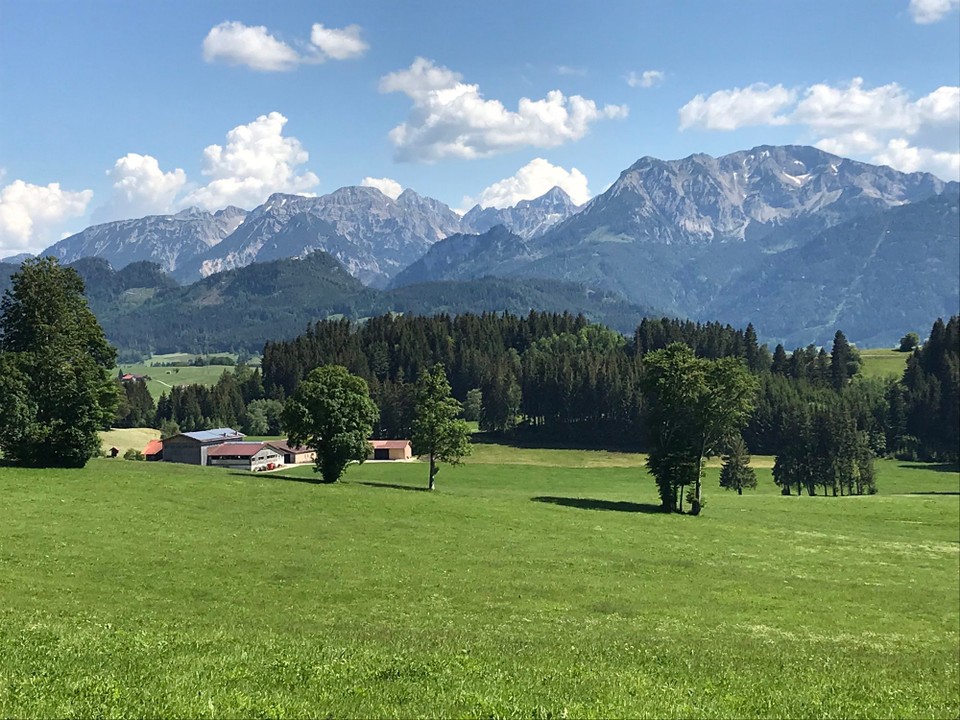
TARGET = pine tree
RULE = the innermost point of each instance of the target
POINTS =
(736, 473)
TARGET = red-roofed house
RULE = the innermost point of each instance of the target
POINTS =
(252, 456)
(153, 450)
(391, 450)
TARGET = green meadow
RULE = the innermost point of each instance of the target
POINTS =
(532, 583)
(883, 363)
(162, 379)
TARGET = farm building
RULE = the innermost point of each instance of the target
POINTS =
(390, 450)
(153, 450)
(293, 454)
(192, 447)
(252, 456)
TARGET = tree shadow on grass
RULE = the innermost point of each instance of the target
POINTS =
(934, 467)
(310, 480)
(934, 492)
(594, 504)
(393, 486)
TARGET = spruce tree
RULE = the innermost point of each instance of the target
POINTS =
(736, 473)
(57, 388)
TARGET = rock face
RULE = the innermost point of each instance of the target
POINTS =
(691, 236)
(372, 235)
(701, 237)
(527, 219)
(164, 239)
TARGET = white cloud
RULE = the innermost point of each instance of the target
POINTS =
(571, 70)
(646, 79)
(338, 44)
(256, 161)
(140, 188)
(451, 119)
(838, 108)
(925, 12)
(756, 104)
(237, 44)
(881, 124)
(32, 216)
(857, 142)
(390, 188)
(256, 47)
(900, 154)
(531, 181)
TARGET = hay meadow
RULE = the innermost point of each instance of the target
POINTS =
(533, 583)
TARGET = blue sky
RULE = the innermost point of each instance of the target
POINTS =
(120, 109)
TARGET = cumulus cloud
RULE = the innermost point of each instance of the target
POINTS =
(234, 43)
(531, 181)
(900, 154)
(881, 124)
(255, 46)
(389, 187)
(756, 104)
(646, 79)
(925, 12)
(452, 119)
(256, 161)
(32, 216)
(338, 44)
(140, 188)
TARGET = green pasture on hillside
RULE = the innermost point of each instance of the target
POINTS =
(883, 363)
(162, 379)
(548, 587)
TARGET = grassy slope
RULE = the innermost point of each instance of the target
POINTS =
(126, 438)
(883, 363)
(164, 378)
(532, 589)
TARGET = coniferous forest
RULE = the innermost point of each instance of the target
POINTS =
(560, 380)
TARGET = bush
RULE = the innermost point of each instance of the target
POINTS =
(132, 454)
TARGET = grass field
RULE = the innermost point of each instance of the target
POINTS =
(883, 363)
(531, 584)
(162, 379)
(126, 438)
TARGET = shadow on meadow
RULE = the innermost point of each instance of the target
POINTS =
(932, 467)
(309, 479)
(392, 486)
(594, 504)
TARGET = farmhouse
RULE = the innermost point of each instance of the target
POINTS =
(252, 456)
(390, 450)
(192, 447)
(153, 450)
(293, 454)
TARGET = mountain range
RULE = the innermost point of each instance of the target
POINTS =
(796, 240)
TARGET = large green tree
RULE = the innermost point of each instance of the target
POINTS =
(56, 386)
(694, 404)
(437, 430)
(331, 412)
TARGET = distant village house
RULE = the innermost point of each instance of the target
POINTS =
(390, 450)
(252, 456)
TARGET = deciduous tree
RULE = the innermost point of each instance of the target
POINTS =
(695, 403)
(332, 413)
(437, 430)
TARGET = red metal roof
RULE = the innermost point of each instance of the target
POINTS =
(389, 444)
(153, 447)
(238, 449)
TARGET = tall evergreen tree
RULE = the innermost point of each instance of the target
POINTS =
(736, 473)
(57, 388)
